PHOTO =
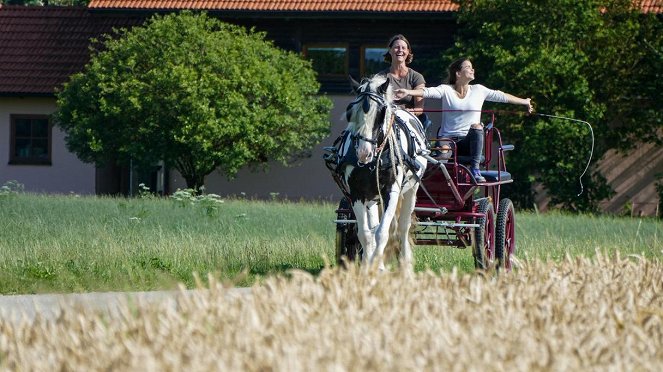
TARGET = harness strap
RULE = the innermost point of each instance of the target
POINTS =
(365, 104)
(369, 140)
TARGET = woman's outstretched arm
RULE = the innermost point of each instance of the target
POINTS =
(400, 93)
(520, 101)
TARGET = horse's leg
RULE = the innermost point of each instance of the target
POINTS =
(364, 228)
(405, 220)
(382, 233)
(373, 214)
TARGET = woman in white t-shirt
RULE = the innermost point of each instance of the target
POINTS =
(464, 126)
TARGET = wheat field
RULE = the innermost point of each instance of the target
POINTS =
(603, 313)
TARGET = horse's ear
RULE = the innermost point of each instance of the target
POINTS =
(354, 84)
(382, 89)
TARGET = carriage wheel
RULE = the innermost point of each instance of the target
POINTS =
(347, 242)
(483, 250)
(505, 234)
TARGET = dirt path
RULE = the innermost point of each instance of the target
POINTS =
(48, 306)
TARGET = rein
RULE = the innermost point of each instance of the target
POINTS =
(386, 136)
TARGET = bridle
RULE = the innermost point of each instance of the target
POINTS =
(365, 98)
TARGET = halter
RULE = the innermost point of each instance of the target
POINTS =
(365, 98)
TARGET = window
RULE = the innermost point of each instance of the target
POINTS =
(30, 140)
(329, 60)
(372, 60)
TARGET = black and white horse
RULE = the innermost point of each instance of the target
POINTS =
(383, 165)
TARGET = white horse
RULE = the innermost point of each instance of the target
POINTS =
(385, 146)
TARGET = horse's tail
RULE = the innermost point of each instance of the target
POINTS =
(393, 248)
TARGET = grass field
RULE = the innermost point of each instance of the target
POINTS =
(76, 244)
(586, 294)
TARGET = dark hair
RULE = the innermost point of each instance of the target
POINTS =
(453, 68)
(387, 56)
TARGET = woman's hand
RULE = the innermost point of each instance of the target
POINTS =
(400, 93)
(530, 105)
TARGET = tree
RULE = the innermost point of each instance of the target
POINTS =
(594, 60)
(196, 93)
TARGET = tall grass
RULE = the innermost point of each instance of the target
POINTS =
(579, 314)
(73, 244)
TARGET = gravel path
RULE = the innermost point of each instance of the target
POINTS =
(48, 306)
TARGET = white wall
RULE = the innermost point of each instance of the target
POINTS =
(66, 175)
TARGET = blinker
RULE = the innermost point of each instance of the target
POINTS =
(366, 105)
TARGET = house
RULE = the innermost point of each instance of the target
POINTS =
(54, 41)
(39, 48)
(353, 34)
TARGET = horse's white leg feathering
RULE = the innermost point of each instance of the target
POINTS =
(405, 220)
(365, 234)
(382, 233)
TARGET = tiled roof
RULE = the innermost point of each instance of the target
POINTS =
(653, 6)
(284, 5)
(41, 46)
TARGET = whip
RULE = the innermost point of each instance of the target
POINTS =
(591, 152)
(591, 131)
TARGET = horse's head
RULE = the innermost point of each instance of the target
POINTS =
(366, 115)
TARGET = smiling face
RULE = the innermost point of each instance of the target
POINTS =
(461, 71)
(466, 72)
(399, 51)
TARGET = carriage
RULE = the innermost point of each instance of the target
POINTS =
(451, 208)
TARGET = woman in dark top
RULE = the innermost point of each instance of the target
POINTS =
(401, 76)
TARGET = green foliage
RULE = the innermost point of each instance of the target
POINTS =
(196, 93)
(593, 60)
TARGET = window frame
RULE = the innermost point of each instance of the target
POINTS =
(18, 160)
(362, 57)
(346, 62)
